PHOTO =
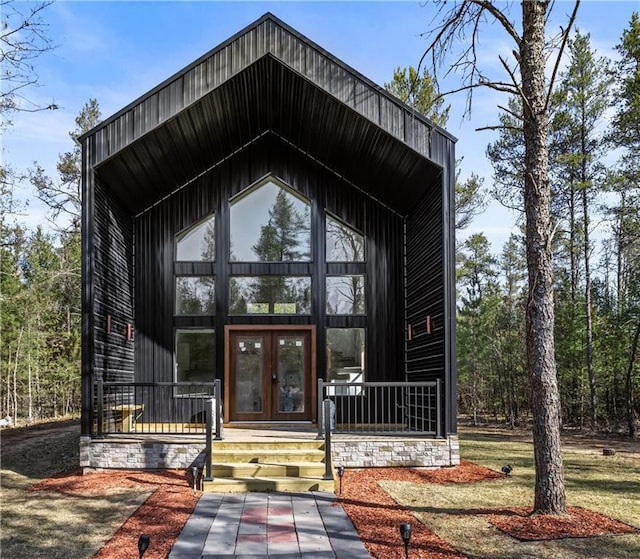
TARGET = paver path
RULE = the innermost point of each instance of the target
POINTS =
(264, 525)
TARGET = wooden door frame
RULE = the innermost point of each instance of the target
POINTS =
(233, 328)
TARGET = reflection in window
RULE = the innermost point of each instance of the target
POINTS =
(270, 224)
(291, 373)
(195, 357)
(195, 295)
(198, 243)
(345, 358)
(249, 375)
(345, 295)
(270, 295)
(343, 243)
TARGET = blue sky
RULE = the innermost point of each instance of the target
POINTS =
(116, 51)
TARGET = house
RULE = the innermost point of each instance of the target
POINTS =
(271, 220)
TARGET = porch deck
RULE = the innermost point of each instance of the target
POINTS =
(172, 432)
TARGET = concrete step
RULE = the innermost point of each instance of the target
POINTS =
(264, 484)
(260, 469)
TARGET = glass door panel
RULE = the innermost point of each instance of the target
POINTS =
(249, 372)
(290, 351)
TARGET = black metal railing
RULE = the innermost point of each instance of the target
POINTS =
(155, 408)
(382, 408)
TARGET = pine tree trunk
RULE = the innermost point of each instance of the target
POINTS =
(593, 397)
(629, 384)
(550, 495)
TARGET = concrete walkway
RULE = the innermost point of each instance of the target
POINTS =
(264, 525)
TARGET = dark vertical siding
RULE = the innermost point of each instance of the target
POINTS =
(113, 288)
(430, 286)
(155, 230)
(87, 359)
(445, 152)
(425, 289)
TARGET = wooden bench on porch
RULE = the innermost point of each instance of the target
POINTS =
(126, 416)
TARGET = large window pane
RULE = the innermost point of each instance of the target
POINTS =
(345, 295)
(195, 356)
(270, 224)
(345, 358)
(197, 243)
(195, 295)
(270, 295)
(343, 243)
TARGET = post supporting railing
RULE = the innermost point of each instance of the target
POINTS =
(209, 443)
(100, 407)
(218, 400)
(439, 407)
(320, 397)
(328, 462)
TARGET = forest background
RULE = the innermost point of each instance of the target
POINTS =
(595, 167)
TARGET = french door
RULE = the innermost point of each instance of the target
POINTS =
(270, 374)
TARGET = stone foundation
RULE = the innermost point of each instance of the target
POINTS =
(140, 454)
(182, 454)
(361, 453)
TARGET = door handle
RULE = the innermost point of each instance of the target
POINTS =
(274, 378)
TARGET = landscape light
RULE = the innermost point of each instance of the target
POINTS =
(340, 470)
(143, 543)
(405, 533)
(194, 476)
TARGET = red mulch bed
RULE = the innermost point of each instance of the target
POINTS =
(373, 512)
(519, 523)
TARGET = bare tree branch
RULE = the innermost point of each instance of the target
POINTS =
(23, 39)
(565, 38)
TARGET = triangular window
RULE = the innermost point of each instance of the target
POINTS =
(270, 223)
(197, 243)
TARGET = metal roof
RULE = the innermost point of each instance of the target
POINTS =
(267, 80)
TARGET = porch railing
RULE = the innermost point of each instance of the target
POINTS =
(382, 408)
(155, 408)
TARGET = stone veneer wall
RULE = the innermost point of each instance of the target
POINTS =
(376, 453)
(140, 454)
(351, 453)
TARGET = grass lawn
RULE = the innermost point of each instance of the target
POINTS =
(609, 485)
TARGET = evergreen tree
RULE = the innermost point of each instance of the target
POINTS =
(419, 92)
(625, 184)
(476, 275)
(584, 98)
(64, 196)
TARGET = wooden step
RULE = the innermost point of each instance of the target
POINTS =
(290, 465)
(269, 445)
(268, 456)
(262, 469)
(290, 484)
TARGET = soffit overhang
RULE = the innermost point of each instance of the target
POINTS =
(267, 98)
